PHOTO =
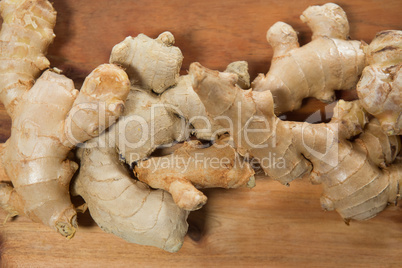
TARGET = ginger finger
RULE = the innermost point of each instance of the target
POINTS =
(190, 167)
(35, 154)
(380, 87)
(329, 62)
(357, 183)
(25, 35)
(125, 207)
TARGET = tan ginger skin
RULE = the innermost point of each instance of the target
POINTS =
(151, 120)
(329, 62)
(162, 119)
(25, 35)
(126, 207)
(151, 64)
(357, 184)
(130, 209)
(35, 155)
(190, 167)
(380, 87)
(359, 177)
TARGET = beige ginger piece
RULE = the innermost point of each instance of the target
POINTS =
(126, 207)
(49, 117)
(152, 64)
(184, 103)
(356, 183)
(241, 69)
(35, 154)
(25, 35)
(191, 167)
(151, 120)
(380, 87)
(329, 62)
(367, 179)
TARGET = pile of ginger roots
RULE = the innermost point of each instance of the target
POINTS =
(103, 142)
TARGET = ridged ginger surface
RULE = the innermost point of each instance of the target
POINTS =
(48, 118)
(329, 62)
(126, 207)
(129, 208)
(356, 183)
(380, 87)
(190, 167)
(152, 120)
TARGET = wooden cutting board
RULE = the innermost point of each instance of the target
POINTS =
(270, 225)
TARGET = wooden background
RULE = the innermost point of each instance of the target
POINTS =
(270, 225)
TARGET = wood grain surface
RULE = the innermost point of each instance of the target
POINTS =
(270, 225)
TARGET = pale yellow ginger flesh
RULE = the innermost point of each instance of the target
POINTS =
(356, 183)
(380, 87)
(329, 62)
(49, 117)
(191, 167)
(126, 207)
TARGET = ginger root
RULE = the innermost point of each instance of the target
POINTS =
(129, 208)
(356, 183)
(190, 167)
(151, 64)
(35, 154)
(380, 87)
(329, 62)
(49, 118)
(151, 120)
(351, 156)
(126, 207)
(25, 35)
